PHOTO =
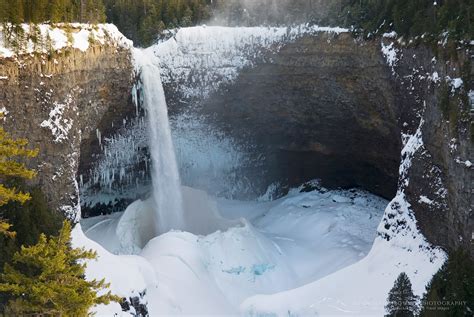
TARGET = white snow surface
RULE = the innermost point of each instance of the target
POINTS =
(81, 36)
(390, 52)
(316, 253)
(58, 125)
(305, 254)
(126, 273)
(455, 83)
(259, 248)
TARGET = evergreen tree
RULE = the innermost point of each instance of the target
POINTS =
(401, 300)
(54, 11)
(15, 11)
(28, 221)
(412, 18)
(144, 20)
(451, 291)
(10, 150)
(48, 279)
(57, 11)
(94, 11)
(38, 11)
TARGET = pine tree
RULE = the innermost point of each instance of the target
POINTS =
(94, 11)
(401, 300)
(9, 150)
(15, 11)
(48, 279)
(28, 221)
(451, 291)
(56, 11)
(39, 11)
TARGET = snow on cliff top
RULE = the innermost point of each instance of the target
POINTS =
(201, 58)
(55, 37)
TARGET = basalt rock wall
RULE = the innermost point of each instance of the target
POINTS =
(63, 104)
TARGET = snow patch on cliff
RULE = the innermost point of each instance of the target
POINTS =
(58, 125)
(202, 58)
(455, 83)
(390, 52)
(3, 113)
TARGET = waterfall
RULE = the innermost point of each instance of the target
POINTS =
(165, 176)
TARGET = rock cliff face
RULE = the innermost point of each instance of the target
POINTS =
(61, 104)
(327, 106)
(441, 187)
(323, 107)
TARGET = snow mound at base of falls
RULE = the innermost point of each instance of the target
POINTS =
(130, 231)
(305, 254)
(127, 274)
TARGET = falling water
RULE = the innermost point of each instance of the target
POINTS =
(165, 176)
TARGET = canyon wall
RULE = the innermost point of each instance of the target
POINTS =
(435, 88)
(333, 108)
(63, 104)
(321, 106)
(324, 108)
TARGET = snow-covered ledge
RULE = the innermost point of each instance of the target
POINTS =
(44, 38)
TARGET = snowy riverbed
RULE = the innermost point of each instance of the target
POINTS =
(270, 247)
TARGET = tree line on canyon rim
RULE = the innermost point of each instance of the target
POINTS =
(143, 20)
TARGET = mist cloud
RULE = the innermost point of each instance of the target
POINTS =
(275, 12)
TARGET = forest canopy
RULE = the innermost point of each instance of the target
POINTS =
(412, 18)
(143, 20)
(54, 11)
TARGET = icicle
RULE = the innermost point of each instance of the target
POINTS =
(99, 137)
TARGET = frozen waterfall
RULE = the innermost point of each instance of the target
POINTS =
(165, 176)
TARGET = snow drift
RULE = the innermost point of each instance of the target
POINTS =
(262, 248)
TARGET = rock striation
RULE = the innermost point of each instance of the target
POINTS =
(61, 103)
